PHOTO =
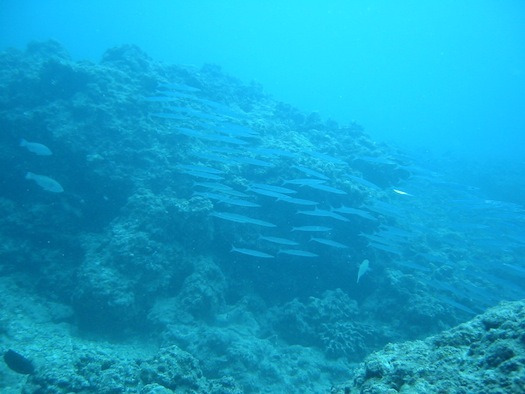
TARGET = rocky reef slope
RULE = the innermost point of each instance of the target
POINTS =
(147, 243)
(484, 355)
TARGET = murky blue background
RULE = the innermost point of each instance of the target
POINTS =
(441, 75)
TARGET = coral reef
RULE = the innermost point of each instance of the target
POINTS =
(486, 354)
(143, 275)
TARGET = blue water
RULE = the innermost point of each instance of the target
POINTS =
(150, 218)
(428, 75)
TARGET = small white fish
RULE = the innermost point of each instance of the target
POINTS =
(45, 182)
(363, 269)
(402, 192)
(36, 148)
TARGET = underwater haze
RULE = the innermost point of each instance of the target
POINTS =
(443, 76)
(262, 197)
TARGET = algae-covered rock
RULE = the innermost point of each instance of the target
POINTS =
(173, 369)
(331, 323)
(486, 354)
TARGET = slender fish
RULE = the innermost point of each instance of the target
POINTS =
(326, 188)
(234, 217)
(278, 240)
(198, 168)
(297, 252)
(239, 202)
(203, 175)
(298, 201)
(308, 171)
(252, 252)
(311, 228)
(273, 188)
(328, 242)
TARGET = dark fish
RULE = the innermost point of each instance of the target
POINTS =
(18, 363)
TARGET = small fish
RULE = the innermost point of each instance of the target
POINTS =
(297, 201)
(18, 363)
(198, 168)
(354, 211)
(212, 157)
(36, 148)
(298, 252)
(159, 99)
(235, 193)
(225, 149)
(194, 133)
(324, 213)
(385, 209)
(364, 267)
(227, 139)
(235, 129)
(326, 188)
(178, 86)
(311, 228)
(401, 192)
(327, 158)
(211, 196)
(272, 152)
(303, 181)
(252, 161)
(203, 175)
(308, 171)
(278, 240)
(385, 248)
(234, 217)
(364, 182)
(272, 188)
(239, 202)
(252, 252)
(45, 182)
(213, 185)
(414, 266)
(377, 160)
(268, 193)
(328, 242)
(170, 116)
